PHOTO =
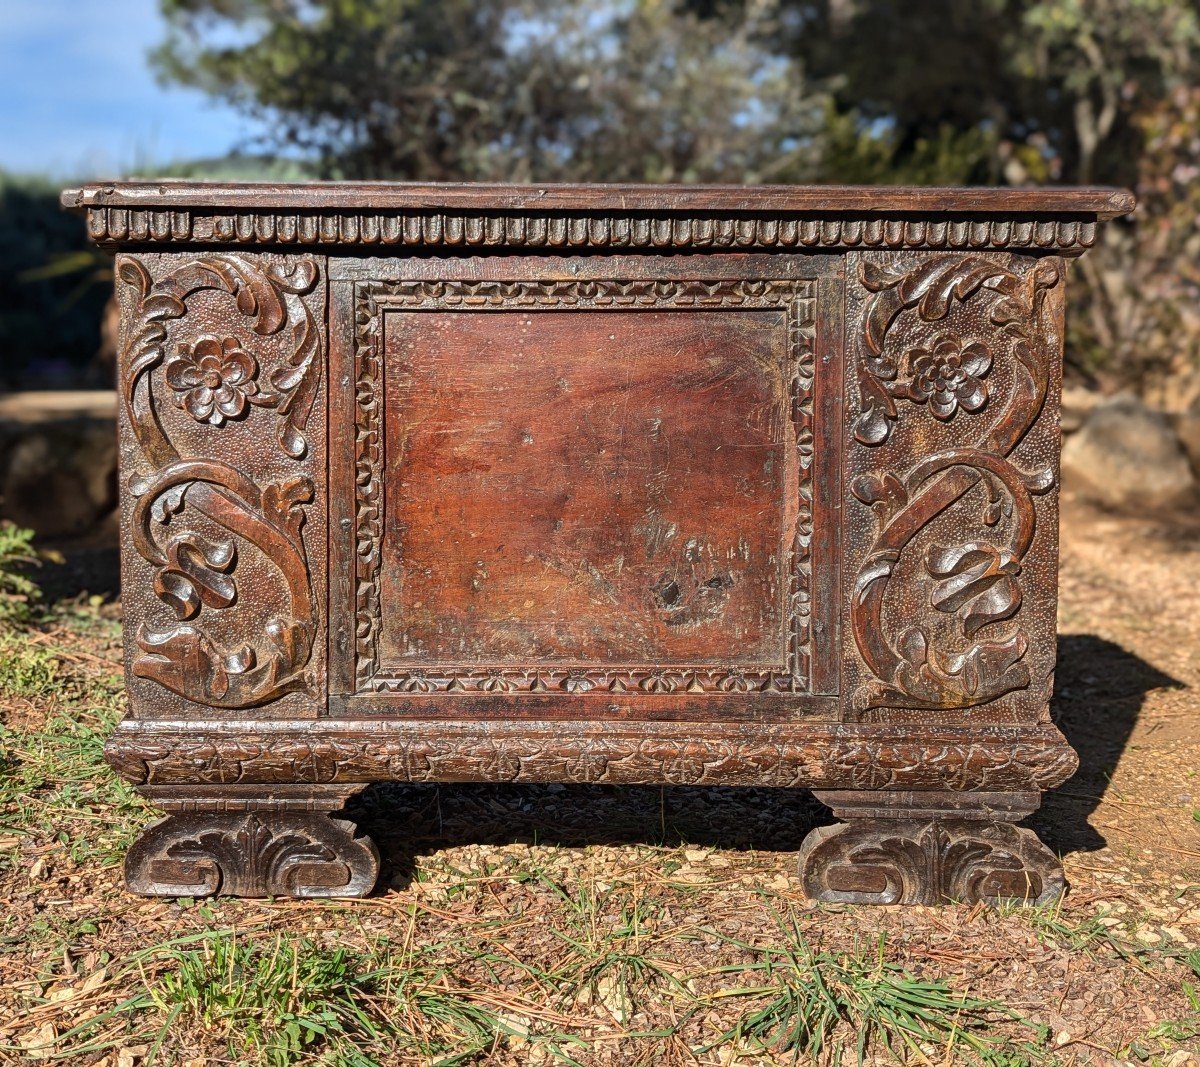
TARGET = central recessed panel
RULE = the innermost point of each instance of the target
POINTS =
(586, 487)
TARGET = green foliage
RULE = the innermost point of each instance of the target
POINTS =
(1053, 88)
(814, 1006)
(27, 671)
(281, 999)
(48, 320)
(864, 154)
(510, 90)
(18, 591)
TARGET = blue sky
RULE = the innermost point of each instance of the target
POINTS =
(79, 99)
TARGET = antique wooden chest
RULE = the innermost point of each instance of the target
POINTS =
(615, 484)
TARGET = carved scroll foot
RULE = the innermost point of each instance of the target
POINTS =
(252, 854)
(929, 849)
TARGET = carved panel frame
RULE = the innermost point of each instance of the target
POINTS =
(808, 290)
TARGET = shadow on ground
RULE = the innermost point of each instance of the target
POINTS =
(81, 566)
(410, 820)
(1098, 695)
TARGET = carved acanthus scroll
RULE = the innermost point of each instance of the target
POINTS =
(215, 378)
(258, 854)
(913, 861)
(936, 363)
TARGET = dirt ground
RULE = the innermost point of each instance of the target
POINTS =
(602, 926)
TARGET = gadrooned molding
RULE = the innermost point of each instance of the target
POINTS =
(575, 231)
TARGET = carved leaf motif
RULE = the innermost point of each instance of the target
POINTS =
(872, 427)
(282, 502)
(883, 490)
(911, 862)
(196, 574)
(983, 672)
(293, 854)
(978, 583)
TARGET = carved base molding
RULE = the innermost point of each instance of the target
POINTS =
(929, 849)
(344, 753)
(252, 853)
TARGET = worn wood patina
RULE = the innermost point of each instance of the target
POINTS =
(619, 484)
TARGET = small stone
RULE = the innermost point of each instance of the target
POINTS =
(1077, 404)
(1126, 457)
(1187, 428)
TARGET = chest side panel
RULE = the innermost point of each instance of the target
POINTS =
(953, 380)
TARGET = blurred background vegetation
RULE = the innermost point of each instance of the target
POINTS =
(998, 92)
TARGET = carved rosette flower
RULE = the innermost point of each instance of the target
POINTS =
(949, 374)
(213, 379)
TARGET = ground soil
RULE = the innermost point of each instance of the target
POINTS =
(515, 867)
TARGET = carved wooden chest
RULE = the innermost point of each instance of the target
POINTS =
(591, 484)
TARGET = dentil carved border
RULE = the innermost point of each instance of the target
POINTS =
(797, 299)
(214, 378)
(597, 230)
(934, 372)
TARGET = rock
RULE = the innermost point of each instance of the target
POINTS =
(1126, 456)
(1187, 429)
(1077, 405)
(58, 460)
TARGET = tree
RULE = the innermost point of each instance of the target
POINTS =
(990, 91)
(935, 92)
(1030, 91)
(512, 90)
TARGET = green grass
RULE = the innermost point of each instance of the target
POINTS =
(612, 963)
(804, 1005)
(277, 1000)
(28, 671)
(18, 591)
(1050, 926)
(1187, 1028)
(52, 766)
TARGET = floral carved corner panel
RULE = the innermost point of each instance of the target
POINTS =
(223, 458)
(952, 392)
